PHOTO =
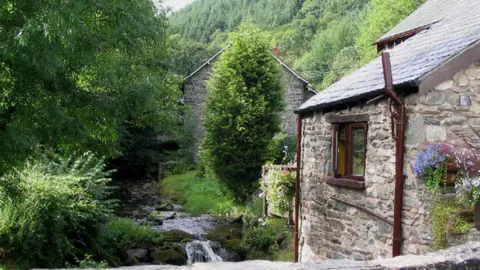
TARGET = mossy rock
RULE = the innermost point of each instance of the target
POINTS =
(177, 236)
(154, 216)
(167, 206)
(226, 232)
(235, 245)
(170, 254)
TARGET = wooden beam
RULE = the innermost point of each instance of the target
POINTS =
(353, 118)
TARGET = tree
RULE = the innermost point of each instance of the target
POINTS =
(380, 17)
(74, 72)
(186, 56)
(242, 113)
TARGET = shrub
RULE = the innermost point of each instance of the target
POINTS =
(242, 113)
(125, 233)
(56, 212)
(89, 263)
(266, 240)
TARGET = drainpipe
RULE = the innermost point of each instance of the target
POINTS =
(297, 186)
(397, 110)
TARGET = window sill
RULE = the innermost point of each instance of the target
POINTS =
(345, 182)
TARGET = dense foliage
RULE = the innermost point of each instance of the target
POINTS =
(323, 39)
(270, 239)
(73, 72)
(242, 112)
(58, 208)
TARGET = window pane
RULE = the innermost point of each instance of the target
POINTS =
(341, 152)
(358, 153)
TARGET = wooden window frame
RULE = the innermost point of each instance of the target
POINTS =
(349, 179)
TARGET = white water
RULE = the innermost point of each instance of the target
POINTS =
(201, 251)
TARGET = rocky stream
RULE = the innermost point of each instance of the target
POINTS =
(187, 239)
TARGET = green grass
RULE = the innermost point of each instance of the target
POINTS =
(128, 234)
(198, 195)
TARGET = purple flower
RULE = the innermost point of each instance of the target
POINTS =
(431, 157)
(467, 185)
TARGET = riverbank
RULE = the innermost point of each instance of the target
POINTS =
(201, 224)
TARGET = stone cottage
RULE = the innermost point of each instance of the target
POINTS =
(296, 91)
(352, 171)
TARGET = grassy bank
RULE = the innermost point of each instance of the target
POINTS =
(198, 195)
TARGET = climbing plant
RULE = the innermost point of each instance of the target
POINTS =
(280, 191)
(447, 219)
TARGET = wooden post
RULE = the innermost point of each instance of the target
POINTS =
(477, 215)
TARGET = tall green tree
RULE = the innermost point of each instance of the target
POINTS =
(242, 113)
(377, 19)
(73, 72)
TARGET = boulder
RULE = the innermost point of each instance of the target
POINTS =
(170, 254)
(159, 216)
(156, 216)
(137, 255)
(177, 236)
(225, 232)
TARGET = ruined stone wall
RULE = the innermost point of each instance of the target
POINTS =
(295, 93)
(195, 93)
(332, 229)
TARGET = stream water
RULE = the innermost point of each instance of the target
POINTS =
(199, 250)
(141, 203)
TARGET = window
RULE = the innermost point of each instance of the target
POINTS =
(349, 148)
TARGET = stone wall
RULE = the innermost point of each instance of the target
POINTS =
(332, 229)
(438, 115)
(194, 96)
(295, 95)
(195, 93)
(464, 257)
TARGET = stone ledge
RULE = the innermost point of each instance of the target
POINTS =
(466, 256)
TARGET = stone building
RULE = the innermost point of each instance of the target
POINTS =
(349, 132)
(296, 91)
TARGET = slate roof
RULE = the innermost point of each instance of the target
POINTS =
(455, 26)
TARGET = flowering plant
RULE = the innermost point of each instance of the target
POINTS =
(468, 189)
(432, 164)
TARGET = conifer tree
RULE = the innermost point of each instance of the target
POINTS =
(242, 114)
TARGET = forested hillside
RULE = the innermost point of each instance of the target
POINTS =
(322, 39)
